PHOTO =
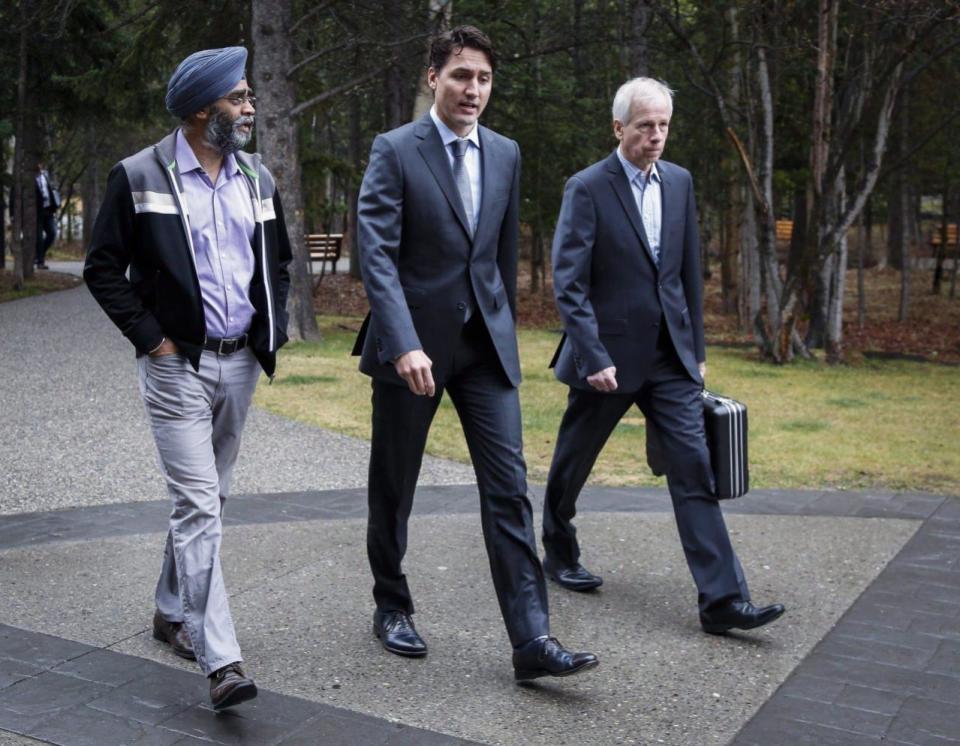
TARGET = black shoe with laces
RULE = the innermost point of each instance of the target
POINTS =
(573, 577)
(738, 615)
(397, 634)
(545, 656)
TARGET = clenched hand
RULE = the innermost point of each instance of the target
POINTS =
(604, 380)
(414, 368)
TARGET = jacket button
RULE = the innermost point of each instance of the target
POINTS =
(461, 306)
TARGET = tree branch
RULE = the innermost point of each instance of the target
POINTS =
(353, 44)
(869, 179)
(348, 86)
(314, 11)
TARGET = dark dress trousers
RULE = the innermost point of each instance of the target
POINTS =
(622, 308)
(424, 274)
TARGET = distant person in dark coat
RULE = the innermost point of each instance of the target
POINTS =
(48, 202)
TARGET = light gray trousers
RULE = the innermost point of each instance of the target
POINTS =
(197, 419)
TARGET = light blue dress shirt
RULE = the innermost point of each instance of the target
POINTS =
(471, 159)
(222, 225)
(649, 199)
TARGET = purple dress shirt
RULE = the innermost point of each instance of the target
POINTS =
(222, 227)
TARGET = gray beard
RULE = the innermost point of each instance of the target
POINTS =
(224, 134)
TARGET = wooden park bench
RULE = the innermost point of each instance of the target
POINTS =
(936, 237)
(323, 248)
(784, 230)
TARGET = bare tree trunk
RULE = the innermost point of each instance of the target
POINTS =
(944, 224)
(536, 259)
(537, 253)
(862, 230)
(356, 156)
(766, 220)
(729, 256)
(735, 264)
(640, 22)
(895, 228)
(750, 269)
(833, 342)
(23, 245)
(393, 83)
(577, 53)
(90, 195)
(819, 156)
(905, 207)
(3, 210)
(441, 12)
(277, 139)
(906, 268)
(955, 218)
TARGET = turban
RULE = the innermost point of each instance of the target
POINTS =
(203, 77)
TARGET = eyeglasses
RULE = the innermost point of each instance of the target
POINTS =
(238, 99)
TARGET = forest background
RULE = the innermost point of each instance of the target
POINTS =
(838, 117)
(820, 133)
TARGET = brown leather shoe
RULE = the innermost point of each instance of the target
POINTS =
(175, 635)
(229, 687)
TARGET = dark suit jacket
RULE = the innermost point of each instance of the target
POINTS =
(610, 292)
(420, 266)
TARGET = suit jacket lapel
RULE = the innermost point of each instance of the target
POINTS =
(489, 174)
(666, 197)
(434, 155)
(618, 180)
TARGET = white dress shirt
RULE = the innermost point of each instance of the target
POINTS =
(471, 159)
(647, 195)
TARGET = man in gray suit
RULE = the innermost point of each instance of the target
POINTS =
(626, 271)
(438, 222)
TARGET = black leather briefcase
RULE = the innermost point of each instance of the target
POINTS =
(725, 421)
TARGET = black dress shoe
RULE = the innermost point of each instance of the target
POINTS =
(738, 615)
(175, 635)
(574, 578)
(229, 687)
(397, 634)
(545, 656)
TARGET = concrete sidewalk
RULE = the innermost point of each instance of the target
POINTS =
(869, 650)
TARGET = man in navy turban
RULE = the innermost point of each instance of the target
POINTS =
(203, 77)
(205, 308)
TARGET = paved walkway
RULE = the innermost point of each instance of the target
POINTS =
(868, 652)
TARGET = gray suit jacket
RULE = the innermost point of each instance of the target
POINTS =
(420, 266)
(610, 292)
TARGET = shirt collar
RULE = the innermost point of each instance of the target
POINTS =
(448, 135)
(187, 159)
(633, 171)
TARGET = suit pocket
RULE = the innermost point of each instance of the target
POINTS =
(612, 327)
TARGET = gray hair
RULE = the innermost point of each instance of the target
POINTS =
(640, 90)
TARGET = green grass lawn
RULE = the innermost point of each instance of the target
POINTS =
(43, 281)
(889, 425)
